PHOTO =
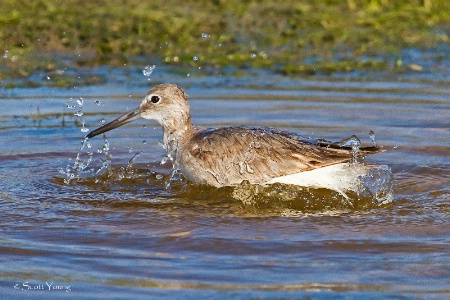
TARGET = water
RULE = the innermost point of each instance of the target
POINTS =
(130, 228)
(148, 70)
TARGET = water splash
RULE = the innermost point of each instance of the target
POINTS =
(75, 170)
(131, 160)
(160, 143)
(105, 148)
(83, 128)
(368, 186)
(377, 184)
(78, 106)
(148, 70)
(106, 160)
(355, 144)
(165, 160)
(175, 180)
(6, 54)
(79, 169)
(128, 172)
(372, 137)
(69, 104)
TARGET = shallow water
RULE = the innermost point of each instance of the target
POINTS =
(132, 233)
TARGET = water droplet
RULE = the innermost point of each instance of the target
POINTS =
(205, 35)
(80, 101)
(165, 160)
(353, 142)
(48, 77)
(350, 142)
(130, 150)
(78, 113)
(97, 102)
(148, 70)
(6, 54)
(249, 169)
(195, 58)
(83, 129)
(253, 55)
(159, 176)
(144, 142)
(372, 137)
(162, 144)
(69, 105)
(144, 126)
(188, 74)
(102, 121)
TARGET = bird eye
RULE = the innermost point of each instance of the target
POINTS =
(155, 99)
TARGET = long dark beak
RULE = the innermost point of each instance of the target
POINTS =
(126, 118)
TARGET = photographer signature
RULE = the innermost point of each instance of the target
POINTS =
(47, 286)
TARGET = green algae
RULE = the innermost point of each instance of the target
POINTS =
(288, 37)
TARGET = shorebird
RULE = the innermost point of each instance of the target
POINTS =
(228, 156)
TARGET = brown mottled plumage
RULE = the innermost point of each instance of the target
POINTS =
(228, 155)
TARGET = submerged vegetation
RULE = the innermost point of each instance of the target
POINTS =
(290, 37)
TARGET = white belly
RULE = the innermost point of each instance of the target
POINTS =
(374, 181)
(339, 177)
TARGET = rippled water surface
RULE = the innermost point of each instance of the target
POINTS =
(132, 231)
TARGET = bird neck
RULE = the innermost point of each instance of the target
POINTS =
(175, 133)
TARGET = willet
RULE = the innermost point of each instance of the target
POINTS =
(227, 156)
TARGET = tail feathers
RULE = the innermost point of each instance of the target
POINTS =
(346, 144)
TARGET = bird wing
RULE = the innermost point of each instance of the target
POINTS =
(230, 155)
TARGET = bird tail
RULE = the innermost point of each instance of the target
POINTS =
(349, 144)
